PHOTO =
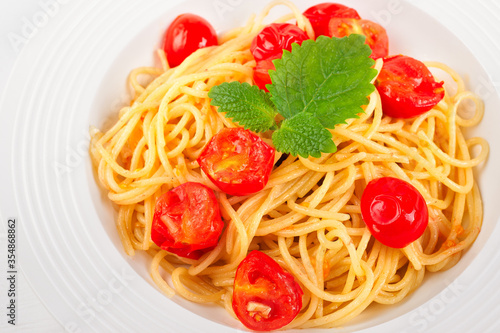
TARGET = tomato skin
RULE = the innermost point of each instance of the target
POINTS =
(186, 34)
(261, 73)
(261, 280)
(320, 15)
(269, 44)
(274, 38)
(187, 220)
(237, 161)
(394, 211)
(376, 35)
(407, 88)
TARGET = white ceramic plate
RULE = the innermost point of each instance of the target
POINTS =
(73, 75)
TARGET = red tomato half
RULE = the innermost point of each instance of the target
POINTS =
(265, 296)
(394, 211)
(186, 34)
(376, 36)
(320, 15)
(407, 88)
(269, 45)
(237, 161)
(187, 221)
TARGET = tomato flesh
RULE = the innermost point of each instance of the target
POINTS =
(320, 15)
(265, 296)
(376, 36)
(187, 221)
(186, 34)
(394, 211)
(407, 88)
(269, 44)
(237, 161)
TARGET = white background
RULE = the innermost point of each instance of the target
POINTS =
(462, 16)
(31, 314)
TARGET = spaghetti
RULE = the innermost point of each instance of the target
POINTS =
(308, 216)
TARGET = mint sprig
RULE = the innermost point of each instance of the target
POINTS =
(329, 78)
(315, 87)
(304, 135)
(247, 105)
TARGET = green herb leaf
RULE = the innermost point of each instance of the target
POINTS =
(328, 78)
(246, 104)
(303, 134)
(317, 86)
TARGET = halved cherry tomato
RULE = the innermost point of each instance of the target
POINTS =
(394, 211)
(187, 221)
(265, 296)
(269, 45)
(407, 88)
(186, 34)
(376, 36)
(320, 15)
(237, 161)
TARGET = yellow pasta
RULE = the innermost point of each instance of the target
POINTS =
(307, 218)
